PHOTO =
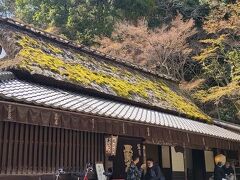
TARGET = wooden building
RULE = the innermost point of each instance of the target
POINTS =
(60, 102)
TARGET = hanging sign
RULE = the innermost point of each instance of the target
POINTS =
(111, 145)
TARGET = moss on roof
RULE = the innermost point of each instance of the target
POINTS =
(39, 56)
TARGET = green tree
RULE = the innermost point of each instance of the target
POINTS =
(135, 9)
(90, 19)
(220, 54)
(214, 61)
(159, 12)
(78, 20)
(220, 59)
(85, 19)
(7, 8)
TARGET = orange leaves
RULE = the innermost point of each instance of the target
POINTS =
(166, 47)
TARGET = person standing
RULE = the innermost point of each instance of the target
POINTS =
(219, 173)
(229, 171)
(153, 171)
(133, 173)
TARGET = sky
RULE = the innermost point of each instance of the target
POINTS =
(3, 53)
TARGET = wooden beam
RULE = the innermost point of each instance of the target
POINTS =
(185, 163)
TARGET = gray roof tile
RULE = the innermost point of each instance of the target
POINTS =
(51, 97)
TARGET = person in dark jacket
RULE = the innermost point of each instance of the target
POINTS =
(153, 171)
(228, 169)
(133, 172)
(219, 173)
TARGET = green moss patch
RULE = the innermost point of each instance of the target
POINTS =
(102, 76)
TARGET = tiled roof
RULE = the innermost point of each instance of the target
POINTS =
(36, 53)
(227, 125)
(25, 92)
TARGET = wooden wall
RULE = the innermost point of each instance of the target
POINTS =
(31, 149)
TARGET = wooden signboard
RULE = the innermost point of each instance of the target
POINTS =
(100, 170)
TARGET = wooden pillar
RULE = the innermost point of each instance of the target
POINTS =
(144, 158)
(144, 154)
(185, 163)
(239, 156)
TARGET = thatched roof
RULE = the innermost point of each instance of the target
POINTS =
(35, 52)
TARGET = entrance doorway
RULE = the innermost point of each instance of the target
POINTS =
(199, 172)
(127, 148)
(161, 156)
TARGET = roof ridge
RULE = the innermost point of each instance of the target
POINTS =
(83, 48)
(218, 121)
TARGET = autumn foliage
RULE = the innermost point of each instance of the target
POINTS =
(220, 60)
(164, 49)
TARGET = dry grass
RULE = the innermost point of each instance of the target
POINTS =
(192, 85)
